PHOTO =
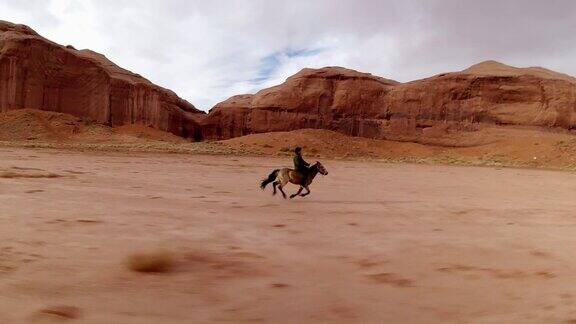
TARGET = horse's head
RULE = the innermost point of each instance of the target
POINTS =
(321, 169)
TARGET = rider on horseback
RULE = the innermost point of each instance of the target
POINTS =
(300, 165)
(302, 175)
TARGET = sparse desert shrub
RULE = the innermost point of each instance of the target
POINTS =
(154, 261)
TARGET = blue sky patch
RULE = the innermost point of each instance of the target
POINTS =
(270, 63)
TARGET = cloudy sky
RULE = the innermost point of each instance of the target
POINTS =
(207, 51)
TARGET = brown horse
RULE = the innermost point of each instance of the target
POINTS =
(281, 177)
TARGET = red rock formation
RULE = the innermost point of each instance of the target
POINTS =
(360, 104)
(37, 73)
(489, 92)
(40, 74)
(332, 98)
(230, 118)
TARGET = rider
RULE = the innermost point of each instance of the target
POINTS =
(300, 165)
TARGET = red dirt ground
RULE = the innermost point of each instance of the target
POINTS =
(374, 242)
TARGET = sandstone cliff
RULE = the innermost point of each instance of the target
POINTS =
(39, 74)
(331, 98)
(489, 92)
(361, 104)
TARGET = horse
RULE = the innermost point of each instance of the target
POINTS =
(280, 178)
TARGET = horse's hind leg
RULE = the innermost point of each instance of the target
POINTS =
(282, 181)
(282, 191)
(274, 184)
(296, 194)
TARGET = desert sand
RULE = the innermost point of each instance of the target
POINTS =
(374, 242)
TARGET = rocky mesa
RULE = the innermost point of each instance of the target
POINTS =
(332, 98)
(361, 104)
(36, 73)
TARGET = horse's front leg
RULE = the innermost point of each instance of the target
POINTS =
(296, 194)
(307, 192)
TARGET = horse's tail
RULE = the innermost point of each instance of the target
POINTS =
(270, 178)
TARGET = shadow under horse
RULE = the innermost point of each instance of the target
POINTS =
(281, 177)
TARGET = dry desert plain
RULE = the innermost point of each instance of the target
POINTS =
(373, 243)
